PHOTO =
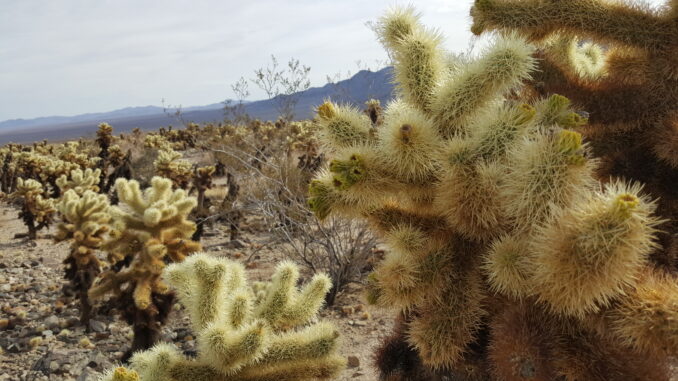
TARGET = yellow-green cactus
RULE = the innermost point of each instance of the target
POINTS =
(37, 212)
(85, 222)
(80, 181)
(484, 202)
(150, 229)
(169, 164)
(267, 332)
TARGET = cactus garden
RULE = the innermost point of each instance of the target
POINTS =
(509, 213)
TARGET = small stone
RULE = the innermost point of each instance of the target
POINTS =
(5, 288)
(97, 326)
(353, 361)
(251, 265)
(51, 322)
(47, 333)
(53, 366)
(365, 316)
(4, 323)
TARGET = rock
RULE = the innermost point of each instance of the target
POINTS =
(353, 361)
(6, 288)
(51, 322)
(47, 333)
(98, 361)
(85, 375)
(53, 366)
(97, 326)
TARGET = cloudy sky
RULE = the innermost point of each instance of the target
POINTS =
(69, 57)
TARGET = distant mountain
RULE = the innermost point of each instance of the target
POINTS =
(356, 90)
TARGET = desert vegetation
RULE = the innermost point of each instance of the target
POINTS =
(509, 216)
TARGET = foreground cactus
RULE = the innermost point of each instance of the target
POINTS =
(85, 222)
(619, 62)
(493, 218)
(149, 229)
(266, 331)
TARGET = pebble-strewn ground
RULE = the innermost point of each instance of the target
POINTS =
(40, 335)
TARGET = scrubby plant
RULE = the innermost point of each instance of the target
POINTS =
(150, 229)
(506, 258)
(618, 62)
(37, 211)
(264, 331)
(85, 222)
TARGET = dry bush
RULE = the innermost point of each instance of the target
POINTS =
(277, 191)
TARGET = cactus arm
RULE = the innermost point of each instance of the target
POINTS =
(503, 66)
(634, 26)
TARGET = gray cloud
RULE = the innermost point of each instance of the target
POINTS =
(75, 56)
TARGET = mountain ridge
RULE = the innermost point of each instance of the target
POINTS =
(356, 90)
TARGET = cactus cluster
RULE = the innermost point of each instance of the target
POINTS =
(170, 164)
(150, 229)
(80, 181)
(264, 331)
(618, 62)
(37, 211)
(85, 222)
(507, 259)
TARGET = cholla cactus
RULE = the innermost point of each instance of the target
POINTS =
(85, 222)
(202, 181)
(617, 62)
(493, 217)
(169, 164)
(261, 332)
(36, 212)
(104, 139)
(115, 155)
(149, 229)
(71, 152)
(156, 141)
(80, 181)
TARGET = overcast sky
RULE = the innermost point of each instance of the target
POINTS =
(70, 57)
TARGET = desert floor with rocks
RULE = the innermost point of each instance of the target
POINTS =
(41, 337)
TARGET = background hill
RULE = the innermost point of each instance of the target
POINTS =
(363, 86)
